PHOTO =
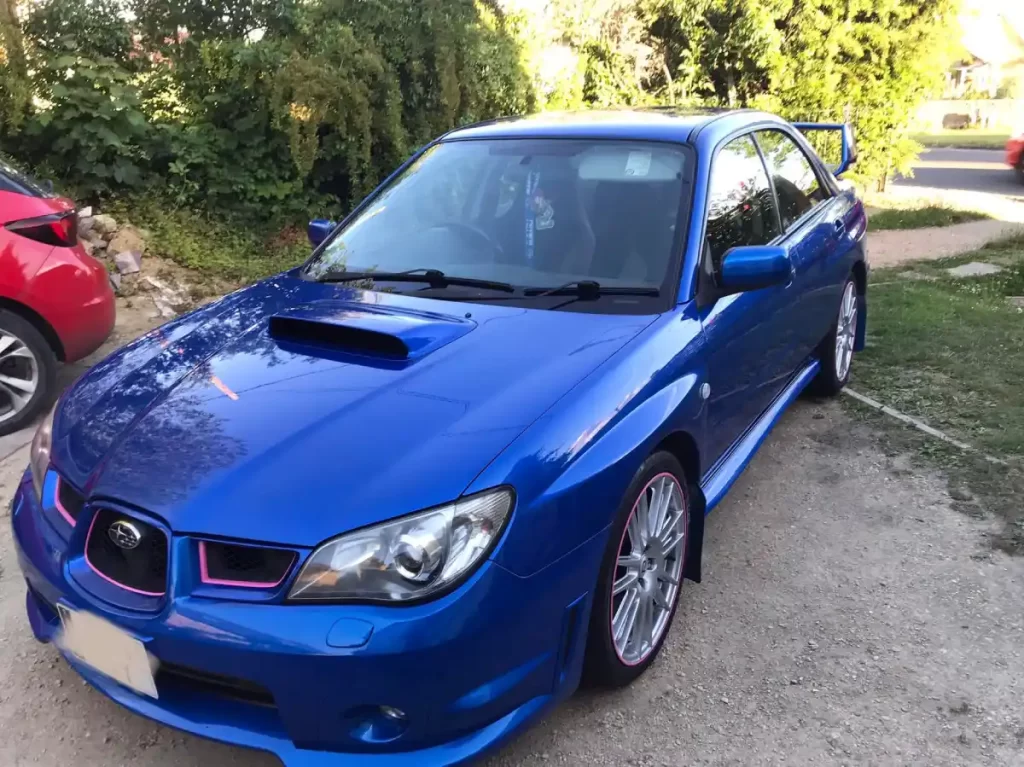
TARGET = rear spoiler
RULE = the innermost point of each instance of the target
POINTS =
(849, 155)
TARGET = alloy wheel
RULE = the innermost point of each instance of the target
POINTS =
(19, 375)
(846, 332)
(648, 570)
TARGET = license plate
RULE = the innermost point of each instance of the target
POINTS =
(108, 649)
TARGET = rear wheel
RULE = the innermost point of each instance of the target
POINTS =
(638, 588)
(836, 350)
(28, 369)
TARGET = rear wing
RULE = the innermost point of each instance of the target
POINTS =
(849, 145)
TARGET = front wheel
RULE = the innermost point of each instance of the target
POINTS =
(638, 587)
(836, 351)
(27, 370)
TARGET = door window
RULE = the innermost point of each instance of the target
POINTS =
(796, 183)
(741, 210)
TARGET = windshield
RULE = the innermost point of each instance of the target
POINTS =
(533, 213)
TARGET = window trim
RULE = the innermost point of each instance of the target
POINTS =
(829, 192)
(706, 294)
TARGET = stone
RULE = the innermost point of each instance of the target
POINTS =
(975, 269)
(104, 224)
(128, 262)
(126, 240)
(85, 212)
(115, 281)
(87, 246)
(85, 225)
(97, 242)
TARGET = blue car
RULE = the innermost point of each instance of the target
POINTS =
(391, 506)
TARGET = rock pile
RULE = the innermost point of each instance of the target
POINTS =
(122, 244)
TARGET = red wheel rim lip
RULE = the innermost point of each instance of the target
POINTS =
(622, 538)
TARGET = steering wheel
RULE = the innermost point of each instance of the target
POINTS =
(470, 232)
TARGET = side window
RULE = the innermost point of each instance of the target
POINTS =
(796, 183)
(741, 207)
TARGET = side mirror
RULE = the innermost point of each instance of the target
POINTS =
(319, 229)
(755, 266)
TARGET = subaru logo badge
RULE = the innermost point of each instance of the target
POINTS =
(124, 534)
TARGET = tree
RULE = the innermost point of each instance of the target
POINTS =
(824, 60)
(15, 85)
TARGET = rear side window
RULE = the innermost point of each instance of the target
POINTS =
(12, 180)
(741, 210)
(796, 183)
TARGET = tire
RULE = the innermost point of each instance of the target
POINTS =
(656, 580)
(835, 369)
(28, 370)
(1020, 171)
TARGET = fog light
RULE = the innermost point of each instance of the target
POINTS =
(376, 724)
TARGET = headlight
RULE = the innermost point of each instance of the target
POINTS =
(39, 455)
(409, 558)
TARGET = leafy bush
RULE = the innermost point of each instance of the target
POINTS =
(93, 135)
(228, 247)
(92, 28)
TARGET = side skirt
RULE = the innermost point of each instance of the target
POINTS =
(718, 481)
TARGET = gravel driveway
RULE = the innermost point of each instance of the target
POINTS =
(848, 615)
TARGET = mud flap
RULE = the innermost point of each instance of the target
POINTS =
(695, 535)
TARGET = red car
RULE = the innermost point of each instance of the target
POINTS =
(56, 302)
(1015, 155)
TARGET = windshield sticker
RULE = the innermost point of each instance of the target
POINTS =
(638, 164)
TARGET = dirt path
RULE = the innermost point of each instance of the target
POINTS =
(848, 615)
(890, 248)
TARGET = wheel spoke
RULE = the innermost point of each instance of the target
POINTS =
(631, 561)
(18, 383)
(634, 528)
(18, 398)
(661, 600)
(6, 342)
(671, 541)
(625, 616)
(623, 583)
(644, 623)
(665, 577)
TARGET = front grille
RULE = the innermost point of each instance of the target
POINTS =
(141, 568)
(228, 564)
(69, 502)
(192, 679)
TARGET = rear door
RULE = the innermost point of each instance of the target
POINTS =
(745, 335)
(813, 224)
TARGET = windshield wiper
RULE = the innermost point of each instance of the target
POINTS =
(589, 290)
(579, 290)
(434, 277)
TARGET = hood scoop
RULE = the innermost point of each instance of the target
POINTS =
(391, 333)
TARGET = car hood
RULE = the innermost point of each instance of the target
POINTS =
(293, 411)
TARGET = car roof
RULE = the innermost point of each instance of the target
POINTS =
(675, 124)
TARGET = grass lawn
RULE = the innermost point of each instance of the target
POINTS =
(951, 353)
(918, 218)
(963, 139)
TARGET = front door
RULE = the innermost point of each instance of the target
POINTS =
(747, 338)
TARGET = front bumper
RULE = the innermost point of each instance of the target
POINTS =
(468, 669)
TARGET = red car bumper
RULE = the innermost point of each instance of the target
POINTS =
(73, 294)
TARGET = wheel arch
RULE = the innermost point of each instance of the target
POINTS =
(681, 445)
(38, 322)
